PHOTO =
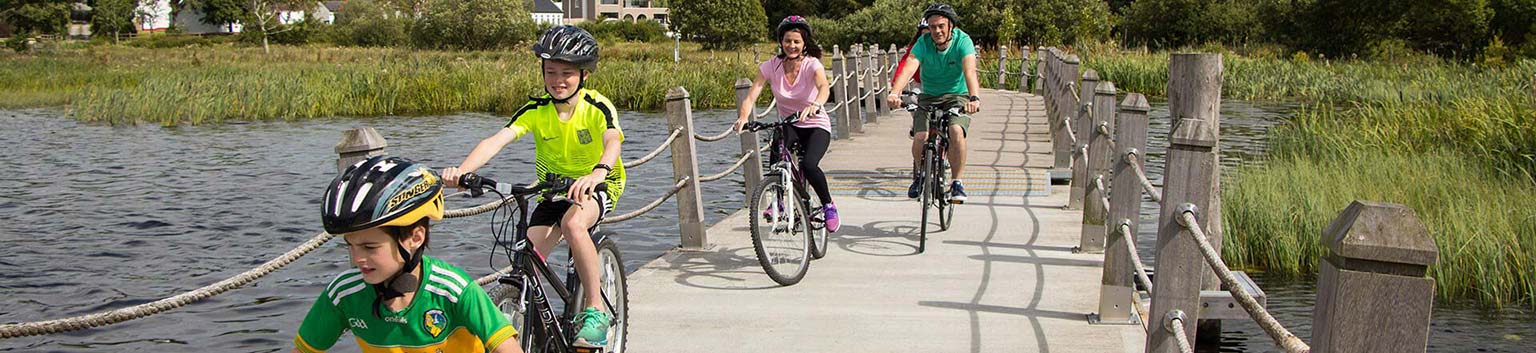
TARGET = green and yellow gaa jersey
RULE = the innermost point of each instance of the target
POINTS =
(571, 148)
(449, 314)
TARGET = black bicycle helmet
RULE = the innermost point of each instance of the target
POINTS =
(791, 22)
(381, 191)
(942, 9)
(568, 43)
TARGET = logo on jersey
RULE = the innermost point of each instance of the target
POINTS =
(434, 322)
(357, 323)
(584, 135)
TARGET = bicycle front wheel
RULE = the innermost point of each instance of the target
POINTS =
(509, 300)
(927, 198)
(819, 234)
(615, 290)
(780, 233)
(941, 195)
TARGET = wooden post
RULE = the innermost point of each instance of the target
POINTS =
(1056, 98)
(1024, 55)
(871, 84)
(1372, 295)
(752, 172)
(1091, 240)
(840, 93)
(1002, 66)
(1040, 72)
(690, 210)
(358, 145)
(879, 60)
(1077, 114)
(1116, 301)
(1191, 172)
(857, 88)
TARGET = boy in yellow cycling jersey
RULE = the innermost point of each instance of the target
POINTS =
(397, 299)
(577, 136)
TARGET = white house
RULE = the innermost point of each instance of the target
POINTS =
(155, 15)
(547, 13)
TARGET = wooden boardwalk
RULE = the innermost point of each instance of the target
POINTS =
(1002, 279)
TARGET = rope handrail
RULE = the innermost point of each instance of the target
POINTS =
(1072, 89)
(1146, 184)
(1176, 326)
(656, 152)
(728, 171)
(765, 111)
(82, 322)
(1279, 333)
(1141, 270)
(834, 107)
(647, 207)
(1071, 135)
(721, 136)
(1098, 182)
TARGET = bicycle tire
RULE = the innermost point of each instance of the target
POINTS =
(941, 197)
(616, 288)
(795, 230)
(927, 199)
(819, 238)
(506, 298)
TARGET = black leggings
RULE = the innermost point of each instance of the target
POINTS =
(814, 142)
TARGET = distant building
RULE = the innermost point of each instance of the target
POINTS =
(623, 10)
(547, 13)
(155, 15)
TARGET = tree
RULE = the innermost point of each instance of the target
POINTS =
(113, 17)
(263, 18)
(371, 23)
(223, 12)
(720, 24)
(473, 25)
(36, 16)
(1061, 22)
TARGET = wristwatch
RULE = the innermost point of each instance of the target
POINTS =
(973, 98)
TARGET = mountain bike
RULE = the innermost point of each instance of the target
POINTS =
(787, 233)
(520, 294)
(935, 168)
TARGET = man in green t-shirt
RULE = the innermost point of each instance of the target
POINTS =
(397, 299)
(948, 62)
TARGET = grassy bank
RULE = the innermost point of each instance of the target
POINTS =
(1455, 142)
(196, 85)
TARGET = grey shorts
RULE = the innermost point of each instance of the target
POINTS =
(920, 118)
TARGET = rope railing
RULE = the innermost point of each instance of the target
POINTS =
(656, 152)
(1176, 326)
(647, 207)
(1071, 135)
(1098, 182)
(1276, 331)
(721, 136)
(1141, 173)
(1103, 128)
(766, 110)
(1141, 270)
(728, 171)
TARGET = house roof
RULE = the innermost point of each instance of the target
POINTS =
(334, 6)
(546, 6)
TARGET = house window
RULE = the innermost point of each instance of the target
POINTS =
(639, 3)
(612, 15)
(610, 2)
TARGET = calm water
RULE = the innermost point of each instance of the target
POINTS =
(102, 217)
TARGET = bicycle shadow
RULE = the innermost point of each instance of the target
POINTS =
(723, 268)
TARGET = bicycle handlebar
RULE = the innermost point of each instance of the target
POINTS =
(909, 103)
(757, 125)
(552, 183)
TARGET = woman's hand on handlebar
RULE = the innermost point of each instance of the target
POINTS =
(739, 123)
(581, 187)
(810, 111)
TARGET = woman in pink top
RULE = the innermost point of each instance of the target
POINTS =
(799, 85)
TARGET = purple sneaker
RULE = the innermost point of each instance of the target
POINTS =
(773, 210)
(833, 223)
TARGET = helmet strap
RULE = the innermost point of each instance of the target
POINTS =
(403, 282)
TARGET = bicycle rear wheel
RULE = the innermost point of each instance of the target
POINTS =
(780, 233)
(616, 290)
(941, 196)
(819, 234)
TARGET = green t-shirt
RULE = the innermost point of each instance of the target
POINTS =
(571, 148)
(943, 71)
(449, 314)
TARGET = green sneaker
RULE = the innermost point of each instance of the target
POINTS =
(594, 328)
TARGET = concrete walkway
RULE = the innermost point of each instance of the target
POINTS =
(1002, 279)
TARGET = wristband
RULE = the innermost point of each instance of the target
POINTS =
(602, 166)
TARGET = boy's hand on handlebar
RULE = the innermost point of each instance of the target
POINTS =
(584, 185)
(451, 176)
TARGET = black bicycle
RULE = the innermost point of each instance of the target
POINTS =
(935, 168)
(787, 232)
(521, 295)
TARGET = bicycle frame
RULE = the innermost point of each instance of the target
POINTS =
(530, 273)
(790, 175)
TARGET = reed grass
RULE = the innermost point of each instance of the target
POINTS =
(117, 84)
(1455, 142)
